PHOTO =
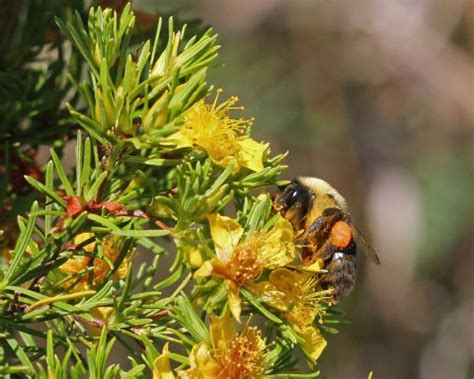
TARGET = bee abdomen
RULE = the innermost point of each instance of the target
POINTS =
(341, 275)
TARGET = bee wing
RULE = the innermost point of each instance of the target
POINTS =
(363, 245)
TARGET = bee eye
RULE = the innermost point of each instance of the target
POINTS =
(294, 196)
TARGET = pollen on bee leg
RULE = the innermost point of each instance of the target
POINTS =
(341, 234)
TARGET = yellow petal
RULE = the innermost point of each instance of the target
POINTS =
(161, 366)
(205, 269)
(225, 233)
(102, 313)
(82, 237)
(235, 303)
(269, 294)
(285, 280)
(250, 153)
(180, 139)
(75, 264)
(302, 315)
(192, 253)
(314, 342)
(279, 249)
(203, 364)
(223, 329)
(195, 258)
(122, 270)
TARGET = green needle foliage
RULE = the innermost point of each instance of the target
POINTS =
(164, 239)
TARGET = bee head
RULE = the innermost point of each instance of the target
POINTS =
(293, 202)
(293, 194)
(321, 187)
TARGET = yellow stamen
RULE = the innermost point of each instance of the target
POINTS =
(242, 359)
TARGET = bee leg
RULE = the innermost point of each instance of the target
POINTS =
(296, 215)
(319, 232)
(321, 227)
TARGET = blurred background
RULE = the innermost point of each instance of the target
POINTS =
(376, 97)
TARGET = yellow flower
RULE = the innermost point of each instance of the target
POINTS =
(162, 368)
(209, 127)
(294, 294)
(232, 355)
(111, 246)
(241, 262)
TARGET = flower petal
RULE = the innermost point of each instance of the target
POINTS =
(161, 366)
(223, 329)
(180, 139)
(83, 237)
(205, 269)
(285, 280)
(235, 303)
(279, 249)
(250, 154)
(314, 342)
(203, 364)
(194, 256)
(269, 294)
(75, 264)
(225, 233)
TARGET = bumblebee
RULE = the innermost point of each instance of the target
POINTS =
(322, 224)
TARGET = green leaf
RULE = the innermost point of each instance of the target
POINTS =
(141, 233)
(261, 308)
(86, 162)
(20, 353)
(94, 189)
(79, 154)
(38, 271)
(158, 162)
(170, 280)
(185, 314)
(50, 352)
(20, 247)
(91, 126)
(47, 191)
(103, 221)
(49, 185)
(62, 175)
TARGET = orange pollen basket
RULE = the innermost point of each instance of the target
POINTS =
(341, 234)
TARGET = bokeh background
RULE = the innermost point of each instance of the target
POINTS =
(376, 97)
